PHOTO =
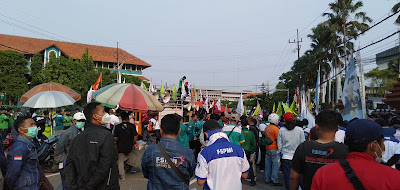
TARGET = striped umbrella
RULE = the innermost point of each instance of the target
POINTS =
(127, 97)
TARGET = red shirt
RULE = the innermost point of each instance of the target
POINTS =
(371, 174)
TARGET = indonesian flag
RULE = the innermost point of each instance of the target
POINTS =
(296, 97)
(96, 85)
(218, 104)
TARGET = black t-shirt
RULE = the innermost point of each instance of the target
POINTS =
(125, 132)
(312, 155)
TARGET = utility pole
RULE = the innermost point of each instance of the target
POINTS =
(118, 67)
(298, 44)
(298, 54)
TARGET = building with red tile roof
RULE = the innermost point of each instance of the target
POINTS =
(104, 57)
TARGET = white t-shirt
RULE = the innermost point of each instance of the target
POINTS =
(221, 164)
(262, 129)
(392, 147)
(156, 125)
(340, 135)
(114, 119)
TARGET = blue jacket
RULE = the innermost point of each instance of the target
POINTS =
(22, 169)
(157, 170)
(3, 160)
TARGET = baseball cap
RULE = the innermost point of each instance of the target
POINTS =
(210, 124)
(288, 116)
(389, 131)
(364, 130)
(234, 117)
(79, 116)
(39, 120)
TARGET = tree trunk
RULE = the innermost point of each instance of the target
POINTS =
(329, 89)
(338, 83)
(344, 43)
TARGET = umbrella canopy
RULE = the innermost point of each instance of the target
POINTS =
(127, 97)
(51, 86)
(49, 99)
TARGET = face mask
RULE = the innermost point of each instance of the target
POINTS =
(377, 158)
(80, 125)
(106, 119)
(32, 132)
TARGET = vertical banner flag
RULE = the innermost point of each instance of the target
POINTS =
(362, 83)
(288, 110)
(218, 104)
(162, 88)
(174, 93)
(200, 96)
(305, 113)
(316, 97)
(258, 108)
(351, 94)
(96, 85)
(205, 105)
(279, 109)
(240, 107)
(273, 108)
(293, 106)
(195, 93)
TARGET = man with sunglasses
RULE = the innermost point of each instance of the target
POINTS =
(65, 141)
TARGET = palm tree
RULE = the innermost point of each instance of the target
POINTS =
(340, 20)
(325, 44)
(396, 8)
(344, 21)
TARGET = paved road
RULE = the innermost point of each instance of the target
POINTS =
(137, 181)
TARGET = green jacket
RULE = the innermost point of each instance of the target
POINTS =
(249, 144)
(10, 122)
(221, 123)
(59, 122)
(68, 121)
(183, 137)
(199, 126)
(191, 127)
(4, 119)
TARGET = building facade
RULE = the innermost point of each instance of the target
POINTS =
(104, 57)
(222, 94)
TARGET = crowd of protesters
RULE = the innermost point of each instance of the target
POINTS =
(221, 151)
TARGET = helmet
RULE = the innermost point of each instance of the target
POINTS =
(274, 118)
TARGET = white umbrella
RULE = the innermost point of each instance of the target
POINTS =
(49, 99)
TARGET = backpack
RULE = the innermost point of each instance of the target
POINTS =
(268, 141)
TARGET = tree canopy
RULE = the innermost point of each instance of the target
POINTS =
(77, 74)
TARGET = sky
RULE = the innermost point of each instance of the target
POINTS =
(223, 44)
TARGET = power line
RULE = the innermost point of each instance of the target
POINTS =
(357, 51)
(376, 24)
(35, 27)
